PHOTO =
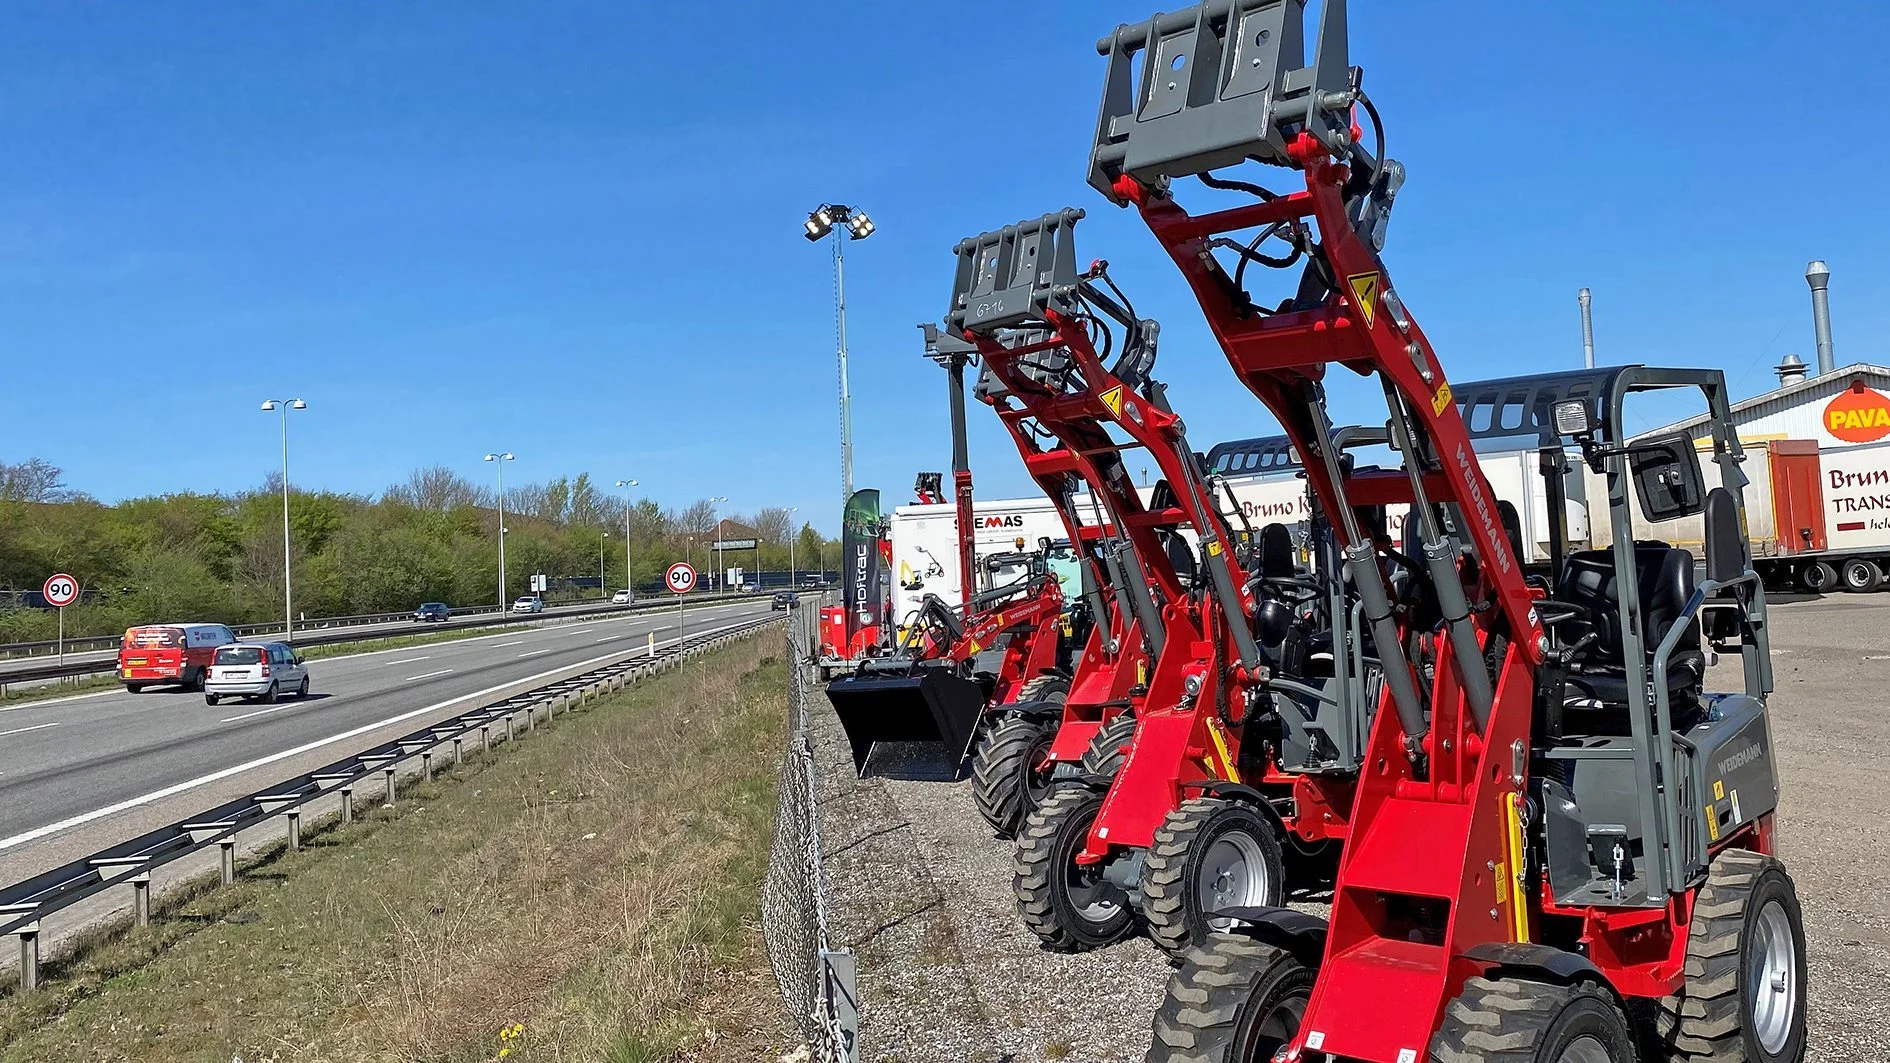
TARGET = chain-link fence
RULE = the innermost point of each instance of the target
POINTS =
(816, 979)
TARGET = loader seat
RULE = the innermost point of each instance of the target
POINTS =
(1180, 556)
(1664, 580)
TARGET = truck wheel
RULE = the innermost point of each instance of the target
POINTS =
(1860, 575)
(193, 679)
(134, 688)
(1233, 1000)
(1210, 854)
(1744, 996)
(1511, 1020)
(1817, 577)
(1105, 754)
(1070, 906)
(1044, 688)
(1010, 770)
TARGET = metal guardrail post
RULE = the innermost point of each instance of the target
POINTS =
(459, 754)
(227, 858)
(388, 774)
(347, 805)
(29, 957)
(485, 739)
(295, 830)
(141, 899)
(426, 765)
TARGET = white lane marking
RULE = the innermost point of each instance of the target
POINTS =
(502, 645)
(426, 675)
(237, 769)
(258, 712)
(534, 653)
(607, 638)
(581, 631)
(61, 701)
(23, 730)
(412, 660)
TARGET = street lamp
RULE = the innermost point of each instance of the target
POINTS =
(629, 581)
(717, 562)
(498, 460)
(793, 535)
(837, 218)
(603, 586)
(283, 406)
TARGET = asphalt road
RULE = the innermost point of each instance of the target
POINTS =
(81, 761)
(365, 631)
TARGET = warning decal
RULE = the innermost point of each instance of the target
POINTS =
(1364, 288)
(1113, 399)
(1441, 399)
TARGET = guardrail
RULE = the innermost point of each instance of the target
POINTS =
(95, 643)
(24, 904)
(331, 638)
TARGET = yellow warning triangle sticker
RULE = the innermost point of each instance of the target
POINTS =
(1113, 399)
(1365, 295)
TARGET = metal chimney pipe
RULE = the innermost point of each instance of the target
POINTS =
(1588, 331)
(1818, 275)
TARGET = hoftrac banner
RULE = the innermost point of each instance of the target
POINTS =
(859, 554)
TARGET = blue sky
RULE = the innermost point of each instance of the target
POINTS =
(573, 229)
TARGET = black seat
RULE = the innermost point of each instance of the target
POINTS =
(1276, 552)
(1664, 581)
(1180, 555)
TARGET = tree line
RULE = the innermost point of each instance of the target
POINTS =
(432, 537)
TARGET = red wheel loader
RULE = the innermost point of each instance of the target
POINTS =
(1562, 844)
(1232, 745)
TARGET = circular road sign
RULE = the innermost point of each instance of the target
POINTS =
(61, 590)
(681, 577)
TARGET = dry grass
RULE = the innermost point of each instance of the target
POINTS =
(592, 893)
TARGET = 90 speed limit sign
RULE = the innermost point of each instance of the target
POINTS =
(680, 577)
(61, 590)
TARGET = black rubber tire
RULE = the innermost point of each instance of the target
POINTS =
(1859, 575)
(193, 679)
(1004, 783)
(1049, 687)
(1707, 1021)
(269, 696)
(134, 688)
(1105, 754)
(1172, 868)
(1512, 1020)
(1233, 1000)
(1046, 856)
(211, 699)
(1818, 577)
(302, 690)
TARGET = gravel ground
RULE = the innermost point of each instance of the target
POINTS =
(922, 891)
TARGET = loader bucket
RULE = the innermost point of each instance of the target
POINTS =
(922, 703)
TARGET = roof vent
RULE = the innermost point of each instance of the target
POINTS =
(1790, 371)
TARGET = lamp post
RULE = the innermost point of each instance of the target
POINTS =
(629, 581)
(834, 218)
(499, 459)
(603, 584)
(717, 556)
(283, 406)
(792, 579)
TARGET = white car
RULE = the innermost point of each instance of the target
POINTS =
(530, 603)
(621, 598)
(266, 670)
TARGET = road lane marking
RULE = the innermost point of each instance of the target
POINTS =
(258, 712)
(426, 675)
(237, 769)
(501, 645)
(23, 730)
(581, 631)
(412, 660)
(607, 638)
(534, 653)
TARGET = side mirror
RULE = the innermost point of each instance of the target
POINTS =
(300, 660)
(1667, 479)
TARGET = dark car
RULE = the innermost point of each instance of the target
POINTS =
(430, 612)
(784, 600)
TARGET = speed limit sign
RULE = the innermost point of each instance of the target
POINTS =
(681, 577)
(61, 590)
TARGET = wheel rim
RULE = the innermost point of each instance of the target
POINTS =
(1771, 963)
(1272, 1028)
(1233, 875)
(1585, 1050)
(1092, 898)
(1041, 769)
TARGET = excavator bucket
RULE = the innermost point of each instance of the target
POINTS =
(915, 703)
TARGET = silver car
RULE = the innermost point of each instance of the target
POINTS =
(248, 670)
(530, 603)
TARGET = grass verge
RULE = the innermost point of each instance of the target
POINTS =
(594, 889)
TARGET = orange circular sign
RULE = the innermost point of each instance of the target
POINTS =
(1859, 415)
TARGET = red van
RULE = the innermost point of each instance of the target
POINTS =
(170, 653)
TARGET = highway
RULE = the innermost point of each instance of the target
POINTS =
(97, 760)
(314, 627)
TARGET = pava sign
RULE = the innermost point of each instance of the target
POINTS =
(1858, 415)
